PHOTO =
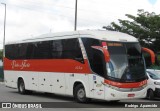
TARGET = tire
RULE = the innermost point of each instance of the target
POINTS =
(150, 94)
(114, 101)
(21, 87)
(80, 94)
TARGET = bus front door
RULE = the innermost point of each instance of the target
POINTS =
(98, 87)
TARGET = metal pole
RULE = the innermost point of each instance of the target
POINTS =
(4, 30)
(75, 24)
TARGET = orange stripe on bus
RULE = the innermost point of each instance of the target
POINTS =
(126, 85)
(48, 65)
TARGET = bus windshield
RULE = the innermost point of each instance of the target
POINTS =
(126, 63)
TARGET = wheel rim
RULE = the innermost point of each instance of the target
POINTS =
(81, 94)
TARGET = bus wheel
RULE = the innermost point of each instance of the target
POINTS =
(80, 94)
(150, 94)
(21, 87)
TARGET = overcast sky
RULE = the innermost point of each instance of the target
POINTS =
(28, 18)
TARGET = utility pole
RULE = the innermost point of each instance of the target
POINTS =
(75, 24)
(4, 30)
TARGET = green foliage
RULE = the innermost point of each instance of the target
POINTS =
(145, 27)
(155, 67)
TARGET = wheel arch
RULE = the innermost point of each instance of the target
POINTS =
(77, 82)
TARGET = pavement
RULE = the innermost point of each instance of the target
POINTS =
(61, 102)
(1, 82)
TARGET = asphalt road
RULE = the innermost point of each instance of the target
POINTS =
(12, 95)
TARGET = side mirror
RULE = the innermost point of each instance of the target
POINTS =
(105, 52)
(151, 54)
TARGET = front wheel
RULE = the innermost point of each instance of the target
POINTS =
(150, 94)
(80, 94)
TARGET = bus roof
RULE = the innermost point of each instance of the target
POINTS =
(97, 34)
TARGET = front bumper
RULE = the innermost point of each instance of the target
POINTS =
(112, 94)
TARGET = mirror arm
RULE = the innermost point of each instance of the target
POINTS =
(152, 54)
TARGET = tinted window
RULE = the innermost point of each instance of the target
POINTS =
(12, 51)
(96, 57)
(42, 50)
(30, 51)
(71, 49)
(22, 48)
(57, 49)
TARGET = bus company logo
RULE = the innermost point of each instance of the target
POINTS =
(20, 65)
(6, 105)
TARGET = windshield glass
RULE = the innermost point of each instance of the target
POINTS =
(126, 64)
(154, 75)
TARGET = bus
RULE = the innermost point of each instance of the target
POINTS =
(91, 64)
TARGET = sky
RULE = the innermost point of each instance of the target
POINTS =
(29, 18)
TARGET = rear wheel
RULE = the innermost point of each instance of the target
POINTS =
(150, 94)
(21, 87)
(80, 94)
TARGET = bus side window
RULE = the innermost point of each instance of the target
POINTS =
(56, 49)
(8, 51)
(72, 50)
(12, 51)
(30, 51)
(22, 51)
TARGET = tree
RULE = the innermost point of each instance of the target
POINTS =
(145, 27)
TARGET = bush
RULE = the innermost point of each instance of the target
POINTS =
(155, 67)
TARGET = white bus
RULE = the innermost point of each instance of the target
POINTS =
(104, 65)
